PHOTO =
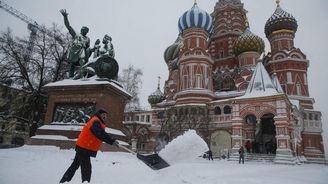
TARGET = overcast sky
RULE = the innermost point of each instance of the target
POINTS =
(143, 29)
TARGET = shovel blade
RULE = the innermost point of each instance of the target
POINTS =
(154, 161)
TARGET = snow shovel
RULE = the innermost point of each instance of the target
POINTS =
(154, 161)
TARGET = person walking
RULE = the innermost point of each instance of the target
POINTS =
(87, 145)
(210, 155)
(241, 152)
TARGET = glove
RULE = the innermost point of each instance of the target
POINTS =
(116, 143)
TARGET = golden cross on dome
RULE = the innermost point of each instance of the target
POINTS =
(159, 79)
(246, 22)
(278, 2)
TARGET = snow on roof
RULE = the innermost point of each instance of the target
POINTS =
(136, 122)
(276, 83)
(87, 81)
(261, 84)
(114, 131)
(191, 104)
(222, 100)
(226, 94)
(62, 127)
(53, 137)
(77, 128)
(64, 138)
(296, 103)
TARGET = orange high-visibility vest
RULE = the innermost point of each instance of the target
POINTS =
(86, 138)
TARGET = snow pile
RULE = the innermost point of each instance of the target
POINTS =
(184, 148)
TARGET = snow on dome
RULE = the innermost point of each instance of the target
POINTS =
(184, 148)
(280, 20)
(196, 17)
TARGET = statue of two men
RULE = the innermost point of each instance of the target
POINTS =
(80, 51)
(107, 48)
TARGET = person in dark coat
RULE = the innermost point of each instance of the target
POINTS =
(87, 145)
(241, 152)
(210, 155)
(248, 146)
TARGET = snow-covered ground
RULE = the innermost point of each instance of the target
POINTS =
(47, 164)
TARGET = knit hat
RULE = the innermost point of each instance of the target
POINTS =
(102, 110)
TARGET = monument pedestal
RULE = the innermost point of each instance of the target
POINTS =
(72, 102)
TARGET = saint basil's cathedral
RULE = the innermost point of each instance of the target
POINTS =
(222, 84)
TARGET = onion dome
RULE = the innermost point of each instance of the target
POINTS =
(195, 18)
(172, 52)
(174, 65)
(248, 42)
(280, 20)
(157, 96)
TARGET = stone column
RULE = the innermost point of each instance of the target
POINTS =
(284, 153)
(134, 144)
(237, 133)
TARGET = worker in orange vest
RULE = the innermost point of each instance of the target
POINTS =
(87, 145)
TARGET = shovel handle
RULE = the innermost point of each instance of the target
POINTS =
(127, 149)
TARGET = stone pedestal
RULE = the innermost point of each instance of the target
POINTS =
(80, 99)
(99, 94)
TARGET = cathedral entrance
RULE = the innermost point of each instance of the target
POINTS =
(220, 143)
(265, 135)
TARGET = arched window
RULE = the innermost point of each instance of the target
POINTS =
(217, 110)
(199, 77)
(304, 116)
(310, 117)
(228, 84)
(250, 119)
(227, 109)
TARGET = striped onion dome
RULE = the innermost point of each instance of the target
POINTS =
(172, 52)
(248, 42)
(196, 17)
(280, 20)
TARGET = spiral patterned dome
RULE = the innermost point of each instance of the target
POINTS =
(248, 42)
(280, 20)
(156, 97)
(172, 52)
(196, 17)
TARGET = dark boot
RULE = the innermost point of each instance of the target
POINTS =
(85, 168)
(71, 170)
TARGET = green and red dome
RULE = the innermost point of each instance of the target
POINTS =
(280, 20)
(172, 52)
(247, 42)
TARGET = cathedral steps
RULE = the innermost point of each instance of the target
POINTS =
(256, 157)
(313, 160)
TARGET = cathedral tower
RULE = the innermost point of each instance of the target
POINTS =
(290, 66)
(194, 63)
(228, 25)
(287, 61)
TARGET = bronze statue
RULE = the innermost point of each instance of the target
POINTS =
(107, 49)
(79, 51)
(102, 64)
